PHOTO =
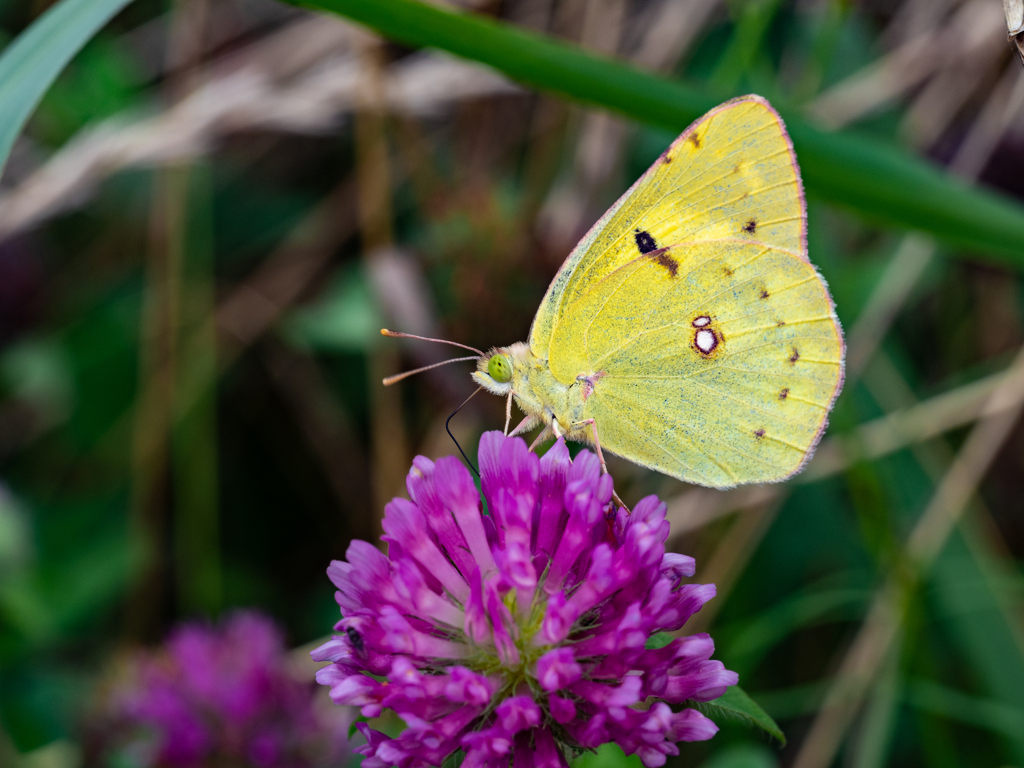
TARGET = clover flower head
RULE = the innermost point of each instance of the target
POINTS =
(216, 696)
(519, 634)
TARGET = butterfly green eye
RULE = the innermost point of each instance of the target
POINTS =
(500, 369)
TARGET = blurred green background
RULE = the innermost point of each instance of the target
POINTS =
(218, 204)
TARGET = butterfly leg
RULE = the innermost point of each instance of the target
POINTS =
(508, 411)
(543, 435)
(525, 426)
(600, 455)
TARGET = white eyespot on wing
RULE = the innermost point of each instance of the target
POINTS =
(706, 341)
(700, 322)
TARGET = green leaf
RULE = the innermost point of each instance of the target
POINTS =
(735, 702)
(32, 62)
(877, 179)
(658, 640)
(345, 318)
(607, 756)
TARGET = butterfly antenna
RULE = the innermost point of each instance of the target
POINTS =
(446, 429)
(398, 377)
(400, 335)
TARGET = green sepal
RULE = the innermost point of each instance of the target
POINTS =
(658, 640)
(352, 730)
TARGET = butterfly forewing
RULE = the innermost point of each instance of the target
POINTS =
(731, 174)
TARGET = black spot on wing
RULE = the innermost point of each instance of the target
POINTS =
(694, 139)
(764, 293)
(750, 227)
(759, 434)
(783, 393)
(794, 357)
(666, 261)
(644, 242)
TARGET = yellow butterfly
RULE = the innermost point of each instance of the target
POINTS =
(688, 332)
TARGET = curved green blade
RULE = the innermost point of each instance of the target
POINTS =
(34, 59)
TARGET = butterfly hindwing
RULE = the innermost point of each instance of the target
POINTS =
(723, 373)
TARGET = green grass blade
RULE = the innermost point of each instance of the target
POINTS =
(892, 186)
(531, 58)
(34, 59)
(989, 714)
(971, 615)
(880, 181)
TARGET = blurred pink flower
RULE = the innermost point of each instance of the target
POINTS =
(216, 696)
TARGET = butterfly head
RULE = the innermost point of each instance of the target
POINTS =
(499, 368)
(496, 370)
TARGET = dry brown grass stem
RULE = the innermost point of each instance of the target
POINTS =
(909, 426)
(1000, 113)
(673, 28)
(288, 274)
(914, 17)
(268, 92)
(388, 440)
(890, 294)
(962, 78)
(160, 363)
(246, 314)
(853, 678)
(566, 210)
(698, 507)
(252, 307)
(963, 40)
(980, 532)
(1014, 12)
(731, 555)
(1002, 412)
